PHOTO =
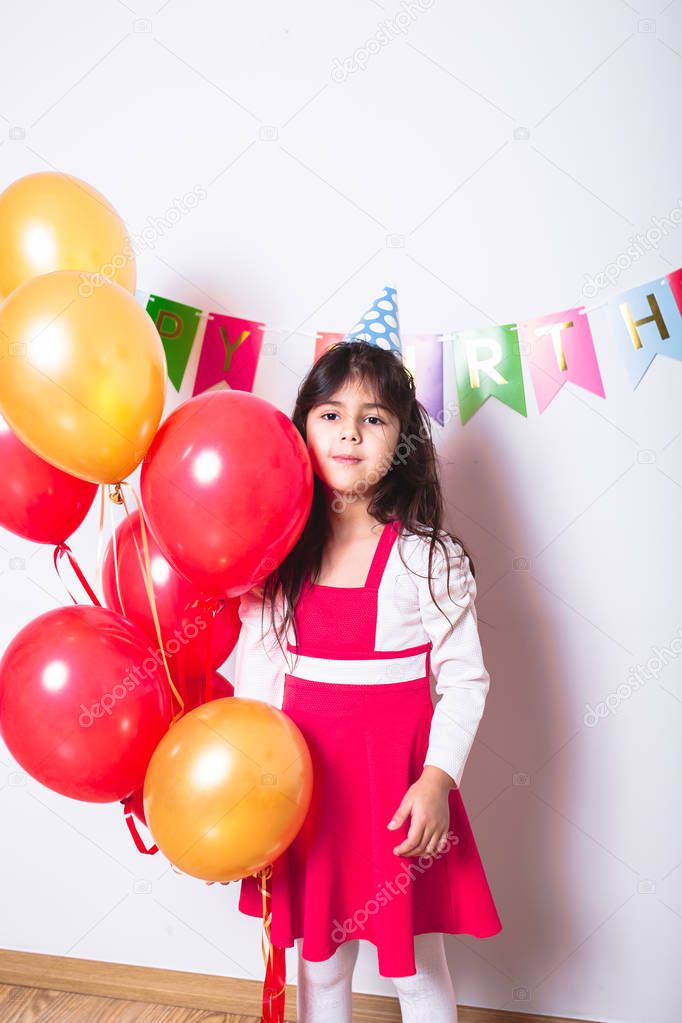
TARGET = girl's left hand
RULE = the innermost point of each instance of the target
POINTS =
(427, 802)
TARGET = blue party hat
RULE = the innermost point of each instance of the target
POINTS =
(379, 325)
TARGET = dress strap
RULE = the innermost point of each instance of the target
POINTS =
(388, 537)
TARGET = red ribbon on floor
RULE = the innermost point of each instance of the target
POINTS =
(274, 985)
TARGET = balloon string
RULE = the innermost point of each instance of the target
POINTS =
(118, 497)
(100, 540)
(61, 549)
(211, 606)
(183, 681)
(114, 547)
(145, 567)
(208, 687)
(132, 828)
(274, 960)
(262, 876)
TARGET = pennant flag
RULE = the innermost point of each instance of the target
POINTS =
(423, 356)
(177, 325)
(323, 342)
(230, 353)
(379, 325)
(647, 322)
(488, 362)
(675, 281)
(559, 348)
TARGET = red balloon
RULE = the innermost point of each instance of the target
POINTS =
(37, 500)
(227, 486)
(83, 702)
(193, 695)
(192, 690)
(184, 628)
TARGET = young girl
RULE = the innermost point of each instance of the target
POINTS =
(373, 601)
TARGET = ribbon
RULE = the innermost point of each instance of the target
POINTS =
(61, 549)
(132, 828)
(212, 606)
(145, 567)
(208, 684)
(115, 499)
(100, 539)
(274, 985)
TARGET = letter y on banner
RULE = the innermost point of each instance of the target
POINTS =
(229, 353)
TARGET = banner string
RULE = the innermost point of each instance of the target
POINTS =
(437, 334)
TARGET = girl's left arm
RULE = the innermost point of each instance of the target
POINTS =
(259, 662)
(462, 680)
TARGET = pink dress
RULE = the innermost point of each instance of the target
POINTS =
(340, 879)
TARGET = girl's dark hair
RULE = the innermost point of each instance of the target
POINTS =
(410, 491)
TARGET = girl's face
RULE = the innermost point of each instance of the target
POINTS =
(351, 440)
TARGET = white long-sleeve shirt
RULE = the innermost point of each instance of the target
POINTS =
(406, 617)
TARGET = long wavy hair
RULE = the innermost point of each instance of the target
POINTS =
(410, 490)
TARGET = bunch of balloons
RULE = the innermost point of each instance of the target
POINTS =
(86, 692)
(84, 370)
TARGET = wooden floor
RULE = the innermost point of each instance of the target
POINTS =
(38, 1005)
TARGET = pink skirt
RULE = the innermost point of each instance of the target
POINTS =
(340, 879)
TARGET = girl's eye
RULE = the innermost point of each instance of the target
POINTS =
(377, 418)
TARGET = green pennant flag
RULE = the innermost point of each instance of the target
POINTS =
(488, 362)
(177, 325)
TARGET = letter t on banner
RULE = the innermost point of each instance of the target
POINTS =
(229, 353)
(559, 348)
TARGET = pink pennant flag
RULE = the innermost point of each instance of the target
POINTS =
(559, 349)
(229, 352)
(675, 282)
(323, 341)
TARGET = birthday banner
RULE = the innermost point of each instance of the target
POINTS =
(558, 348)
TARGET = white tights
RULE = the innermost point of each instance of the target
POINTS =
(323, 992)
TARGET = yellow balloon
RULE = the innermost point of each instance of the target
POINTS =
(51, 221)
(83, 378)
(228, 788)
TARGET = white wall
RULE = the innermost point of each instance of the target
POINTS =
(309, 182)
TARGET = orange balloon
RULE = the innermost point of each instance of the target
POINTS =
(228, 788)
(84, 374)
(52, 221)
